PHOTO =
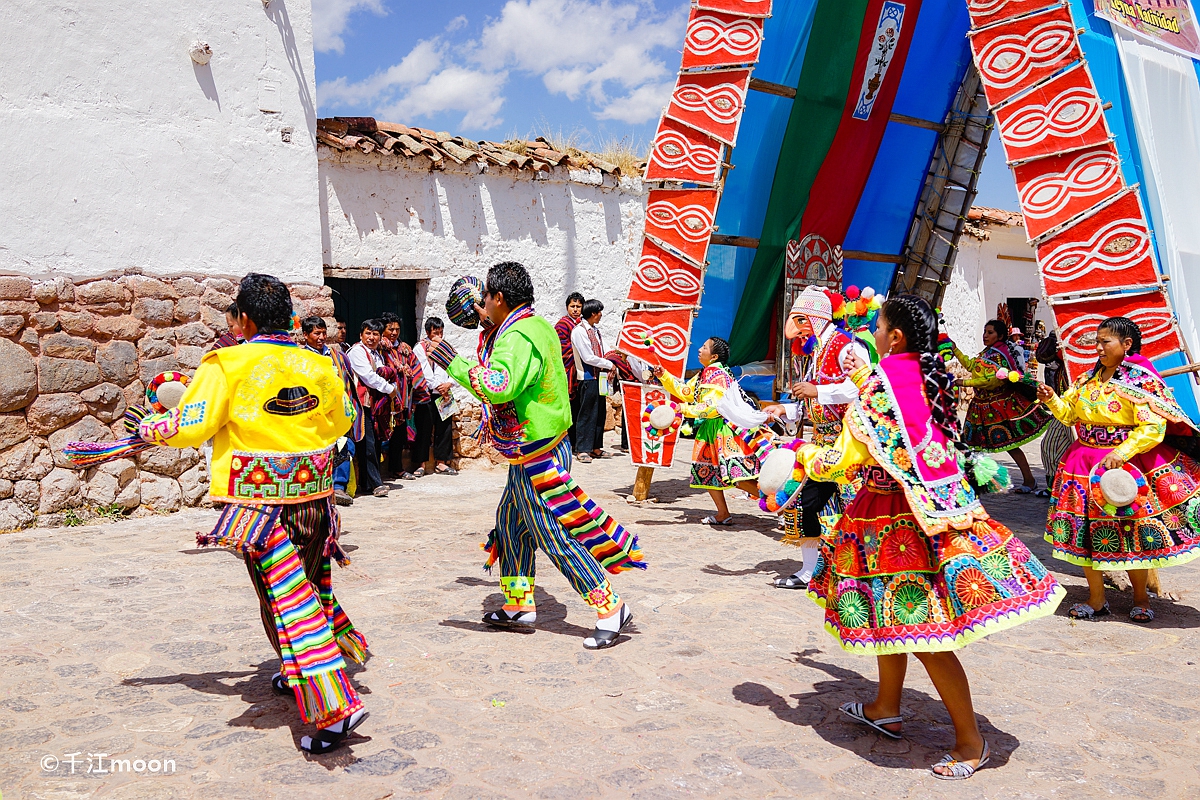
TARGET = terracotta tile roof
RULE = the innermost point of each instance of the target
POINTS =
(983, 215)
(437, 148)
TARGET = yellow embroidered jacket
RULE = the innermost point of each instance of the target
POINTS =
(273, 410)
(1095, 403)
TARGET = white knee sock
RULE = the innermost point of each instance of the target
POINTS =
(808, 549)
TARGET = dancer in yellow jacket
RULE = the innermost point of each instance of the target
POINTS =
(274, 411)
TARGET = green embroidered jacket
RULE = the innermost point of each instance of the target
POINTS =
(526, 370)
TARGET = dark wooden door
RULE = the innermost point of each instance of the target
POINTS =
(356, 300)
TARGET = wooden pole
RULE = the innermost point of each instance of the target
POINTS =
(641, 486)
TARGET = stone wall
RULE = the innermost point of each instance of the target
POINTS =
(73, 356)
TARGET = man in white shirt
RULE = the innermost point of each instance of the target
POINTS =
(590, 363)
(364, 360)
(431, 427)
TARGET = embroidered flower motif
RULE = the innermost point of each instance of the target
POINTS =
(910, 604)
(902, 550)
(1105, 539)
(1061, 530)
(935, 455)
(903, 459)
(973, 589)
(258, 476)
(1151, 537)
(997, 565)
(880, 402)
(853, 609)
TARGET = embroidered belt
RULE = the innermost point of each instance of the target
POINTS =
(1102, 435)
(880, 481)
(281, 477)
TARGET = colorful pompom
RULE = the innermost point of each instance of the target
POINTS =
(1002, 374)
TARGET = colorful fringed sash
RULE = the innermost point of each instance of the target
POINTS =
(613, 547)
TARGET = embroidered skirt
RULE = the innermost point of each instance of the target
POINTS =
(888, 588)
(1003, 419)
(721, 458)
(1164, 532)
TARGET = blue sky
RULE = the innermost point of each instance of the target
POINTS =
(591, 70)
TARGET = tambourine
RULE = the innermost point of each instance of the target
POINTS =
(1120, 492)
(165, 390)
(781, 478)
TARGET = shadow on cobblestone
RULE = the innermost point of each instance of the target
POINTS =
(776, 569)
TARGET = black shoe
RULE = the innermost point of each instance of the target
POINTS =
(791, 582)
(334, 736)
(279, 685)
(601, 639)
(503, 619)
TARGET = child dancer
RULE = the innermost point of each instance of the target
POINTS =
(1122, 411)
(1001, 417)
(720, 458)
(916, 565)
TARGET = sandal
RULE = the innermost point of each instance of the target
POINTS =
(960, 770)
(791, 582)
(855, 712)
(601, 639)
(1042, 493)
(334, 736)
(583, 458)
(503, 619)
(714, 521)
(279, 685)
(447, 471)
(1141, 614)
(406, 476)
(1022, 489)
(1084, 611)
(420, 473)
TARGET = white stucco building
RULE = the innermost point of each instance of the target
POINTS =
(141, 157)
(995, 264)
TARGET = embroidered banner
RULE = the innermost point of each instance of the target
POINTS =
(711, 102)
(1109, 249)
(1170, 24)
(1077, 321)
(682, 153)
(985, 12)
(816, 252)
(1061, 115)
(683, 218)
(1053, 190)
(714, 39)
(1014, 55)
(664, 278)
(658, 337)
(746, 8)
(649, 445)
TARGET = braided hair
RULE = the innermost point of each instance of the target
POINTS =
(913, 316)
(1000, 327)
(720, 349)
(1124, 328)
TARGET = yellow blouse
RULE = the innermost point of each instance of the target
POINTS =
(1097, 402)
(273, 412)
(983, 374)
(835, 463)
(701, 394)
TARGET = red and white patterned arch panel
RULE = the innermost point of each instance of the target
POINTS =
(683, 218)
(682, 153)
(1054, 190)
(1109, 249)
(714, 39)
(658, 336)
(711, 102)
(1062, 114)
(664, 278)
(1077, 323)
(985, 12)
(1013, 56)
(746, 8)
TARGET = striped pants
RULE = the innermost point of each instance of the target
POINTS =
(525, 523)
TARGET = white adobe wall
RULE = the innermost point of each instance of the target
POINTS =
(981, 281)
(121, 152)
(384, 211)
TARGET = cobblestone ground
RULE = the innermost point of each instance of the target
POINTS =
(123, 639)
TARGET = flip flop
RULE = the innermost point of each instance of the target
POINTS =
(855, 712)
(715, 521)
(1084, 611)
(960, 770)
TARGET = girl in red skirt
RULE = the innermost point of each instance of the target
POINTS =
(916, 565)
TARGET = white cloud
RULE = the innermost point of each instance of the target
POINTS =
(330, 18)
(641, 105)
(619, 55)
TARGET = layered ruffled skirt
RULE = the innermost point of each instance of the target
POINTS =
(1163, 530)
(887, 587)
(1003, 419)
(721, 458)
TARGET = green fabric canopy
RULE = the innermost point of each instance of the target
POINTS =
(816, 112)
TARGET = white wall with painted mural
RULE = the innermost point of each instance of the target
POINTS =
(138, 156)
(574, 231)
